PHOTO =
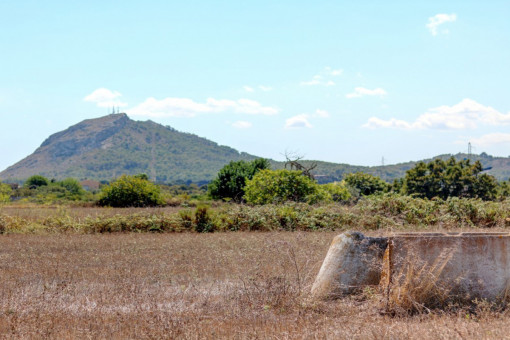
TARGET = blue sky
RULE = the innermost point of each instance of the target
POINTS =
(340, 81)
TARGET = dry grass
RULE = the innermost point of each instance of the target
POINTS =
(197, 286)
(417, 287)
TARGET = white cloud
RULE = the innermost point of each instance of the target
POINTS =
(248, 89)
(185, 107)
(242, 124)
(321, 113)
(361, 91)
(265, 88)
(468, 114)
(105, 98)
(332, 72)
(324, 77)
(491, 139)
(439, 19)
(297, 122)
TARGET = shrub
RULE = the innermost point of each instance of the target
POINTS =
(231, 179)
(203, 221)
(449, 179)
(5, 193)
(72, 185)
(36, 181)
(130, 191)
(336, 191)
(278, 186)
(366, 184)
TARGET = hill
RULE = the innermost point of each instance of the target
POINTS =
(106, 147)
(498, 167)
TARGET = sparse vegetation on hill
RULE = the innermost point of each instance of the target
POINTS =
(107, 147)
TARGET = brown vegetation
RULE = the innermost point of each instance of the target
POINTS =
(198, 286)
(384, 212)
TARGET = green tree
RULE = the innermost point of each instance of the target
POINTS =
(336, 191)
(278, 186)
(366, 184)
(5, 193)
(449, 178)
(130, 191)
(72, 185)
(504, 189)
(231, 179)
(36, 181)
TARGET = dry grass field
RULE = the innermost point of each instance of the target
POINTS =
(243, 285)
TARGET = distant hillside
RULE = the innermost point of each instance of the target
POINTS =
(106, 147)
(328, 172)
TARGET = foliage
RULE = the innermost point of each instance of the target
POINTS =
(203, 220)
(278, 186)
(130, 191)
(449, 179)
(231, 179)
(142, 176)
(134, 147)
(36, 181)
(366, 184)
(336, 191)
(5, 192)
(503, 189)
(72, 185)
(389, 211)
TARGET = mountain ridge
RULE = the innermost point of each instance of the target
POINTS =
(106, 147)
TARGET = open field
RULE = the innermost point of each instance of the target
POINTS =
(198, 286)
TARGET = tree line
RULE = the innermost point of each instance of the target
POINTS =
(253, 182)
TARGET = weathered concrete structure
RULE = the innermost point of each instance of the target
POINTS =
(470, 265)
(353, 261)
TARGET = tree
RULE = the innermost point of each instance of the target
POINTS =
(449, 178)
(36, 181)
(130, 191)
(366, 184)
(336, 191)
(231, 179)
(294, 163)
(278, 186)
(72, 185)
(5, 193)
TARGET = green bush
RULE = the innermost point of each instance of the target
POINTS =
(449, 179)
(278, 186)
(130, 191)
(336, 192)
(5, 193)
(72, 185)
(203, 221)
(366, 184)
(36, 181)
(231, 179)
